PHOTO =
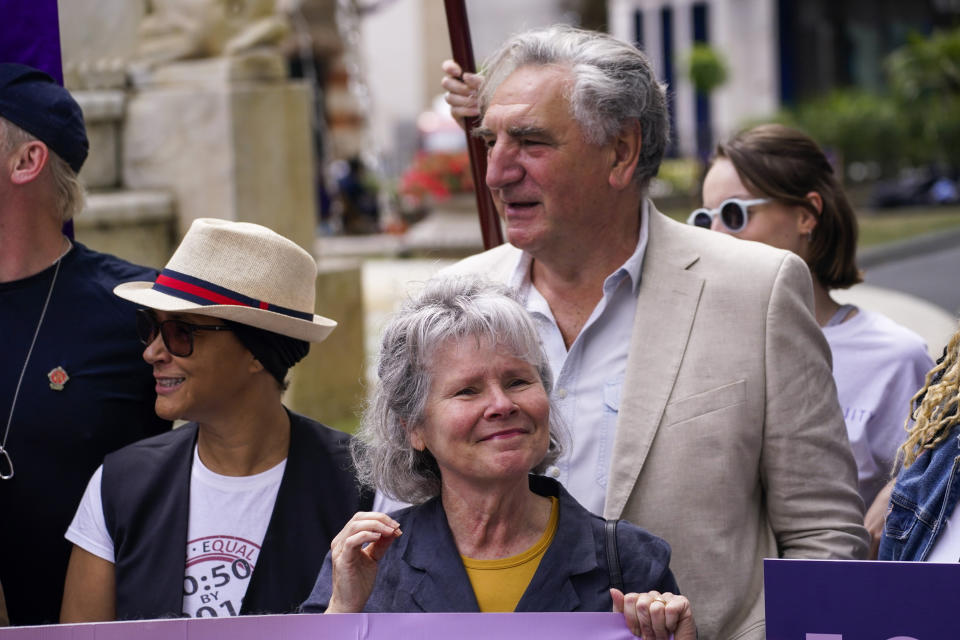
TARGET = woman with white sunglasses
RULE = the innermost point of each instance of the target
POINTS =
(774, 184)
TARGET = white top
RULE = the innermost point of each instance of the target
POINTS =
(89, 528)
(878, 366)
(587, 378)
(946, 548)
(228, 519)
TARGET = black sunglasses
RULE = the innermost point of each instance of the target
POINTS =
(177, 334)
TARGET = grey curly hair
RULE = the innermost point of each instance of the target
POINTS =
(613, 83)
(447, 308)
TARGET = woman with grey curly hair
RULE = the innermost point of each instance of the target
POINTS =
(460, 419)
(446, 310)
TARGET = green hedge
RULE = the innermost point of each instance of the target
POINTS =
(915, 122)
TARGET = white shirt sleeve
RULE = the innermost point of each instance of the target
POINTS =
(385, 504)
(89, 528)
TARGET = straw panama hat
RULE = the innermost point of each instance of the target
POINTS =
(238, 271)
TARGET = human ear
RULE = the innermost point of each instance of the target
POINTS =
(28, 161)
(626, 155)
(808, 221)
(416, 441)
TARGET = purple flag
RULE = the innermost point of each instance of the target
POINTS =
(30, 34)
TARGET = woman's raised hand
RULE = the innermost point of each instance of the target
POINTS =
(656, 616)
(461, 91)
(355, 553)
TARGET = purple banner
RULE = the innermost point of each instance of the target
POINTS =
(359, 626)
(30, 34)
(840, 600)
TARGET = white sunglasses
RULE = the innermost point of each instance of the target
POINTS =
(734, 214)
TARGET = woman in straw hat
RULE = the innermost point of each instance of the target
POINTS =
(251, 491)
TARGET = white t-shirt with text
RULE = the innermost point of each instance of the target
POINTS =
(227, 522)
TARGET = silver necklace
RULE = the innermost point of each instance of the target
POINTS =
(4, 453)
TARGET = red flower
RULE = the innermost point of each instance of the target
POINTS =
(437, 174)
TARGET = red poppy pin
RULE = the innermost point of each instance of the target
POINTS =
(58, 377)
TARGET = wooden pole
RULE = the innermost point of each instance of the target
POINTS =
(462, 48)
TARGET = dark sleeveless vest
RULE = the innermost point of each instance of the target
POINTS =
(146, 498)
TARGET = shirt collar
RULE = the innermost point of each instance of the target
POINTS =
(634, 265)
(520, 279)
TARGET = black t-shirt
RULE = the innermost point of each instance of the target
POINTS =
(59, 437)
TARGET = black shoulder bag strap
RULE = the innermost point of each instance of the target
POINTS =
(613, 555)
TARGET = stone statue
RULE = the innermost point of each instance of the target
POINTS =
(174, 30)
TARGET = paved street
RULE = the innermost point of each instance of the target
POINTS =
(914, 283)
(935, 277)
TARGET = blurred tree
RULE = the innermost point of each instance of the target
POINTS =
(915, 123)
(857, 126)
(924, 77)
(706, 68)
(925, 66)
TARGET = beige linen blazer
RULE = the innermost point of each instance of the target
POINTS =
(730, 442)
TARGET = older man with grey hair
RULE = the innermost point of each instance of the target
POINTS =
(72, 385)
(688, 365)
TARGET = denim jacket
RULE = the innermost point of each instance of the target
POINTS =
(923, 499)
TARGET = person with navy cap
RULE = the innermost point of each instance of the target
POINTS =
(72, 384)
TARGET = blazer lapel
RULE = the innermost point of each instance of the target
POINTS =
(666, 307)
(436, 579)
(552, 587)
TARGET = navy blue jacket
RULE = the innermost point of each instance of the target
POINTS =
(146, 501)
(422, 570)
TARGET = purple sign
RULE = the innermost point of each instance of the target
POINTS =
(852, 600)
(361, 626)
(30, 34)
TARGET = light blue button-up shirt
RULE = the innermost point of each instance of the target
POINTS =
(588, 377)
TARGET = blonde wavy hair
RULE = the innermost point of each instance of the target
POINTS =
(935, 406)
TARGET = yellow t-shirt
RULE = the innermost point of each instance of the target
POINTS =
(499, 584)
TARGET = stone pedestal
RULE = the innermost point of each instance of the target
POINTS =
(226, 148)
(135, 225)
(327, 385)
(138, 226)
(103, 115)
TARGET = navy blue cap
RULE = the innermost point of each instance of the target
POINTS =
(33, 101)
